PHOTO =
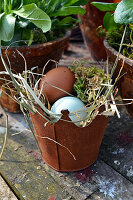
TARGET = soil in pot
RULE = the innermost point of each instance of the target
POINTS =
(89, 24)
(125, 83)
(67, 141)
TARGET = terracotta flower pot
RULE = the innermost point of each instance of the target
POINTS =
(35, 55)
(83, 143)
(125, 84)
(7, 100)
(89, 23)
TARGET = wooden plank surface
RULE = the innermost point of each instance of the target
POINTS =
(111, 177)
(75, 52)
(5, 192)
(117, 145)
(26, 173)
(105, 182)
(111, 185)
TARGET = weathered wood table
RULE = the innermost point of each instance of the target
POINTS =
(110, 177)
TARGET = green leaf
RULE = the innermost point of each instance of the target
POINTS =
(64, 11)
(26, 2)
(75, 2)
(7, 24)
(108, 21)
(23, 23)
(27, 35)
(105, 6)
(124, 12)
(69, 3)
(7, 6)
(16, 4)
(36, 16)
(81, 3)
(52, 6)
(1, 6)
(65, 23)
(68, 20)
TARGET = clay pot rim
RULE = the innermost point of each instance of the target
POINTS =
(34, 46)
(111, 49)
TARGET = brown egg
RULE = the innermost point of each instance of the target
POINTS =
(60, 77)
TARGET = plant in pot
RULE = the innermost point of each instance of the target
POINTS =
(69, 109)
(36, 29)
(90, 21)
(118, 25)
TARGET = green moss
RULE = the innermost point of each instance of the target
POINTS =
(88, 82)
(114, 39)
(101, 31)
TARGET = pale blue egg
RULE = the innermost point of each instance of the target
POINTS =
(73, 105)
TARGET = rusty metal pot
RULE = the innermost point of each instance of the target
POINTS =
(66, 137)
(35, 55)
(125, 83)
(89, 23)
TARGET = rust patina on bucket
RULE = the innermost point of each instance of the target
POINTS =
(125, 83)
(35, 55)
(83, 143)
(89, 24)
